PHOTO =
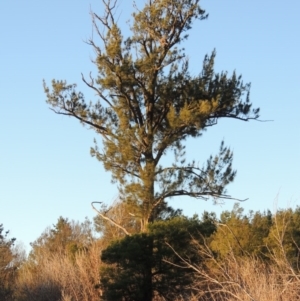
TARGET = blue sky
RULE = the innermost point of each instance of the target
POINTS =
(45, 167)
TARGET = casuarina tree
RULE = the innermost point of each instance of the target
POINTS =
(149, 104)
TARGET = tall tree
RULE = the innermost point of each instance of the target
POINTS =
(149, 104)
(64, 238)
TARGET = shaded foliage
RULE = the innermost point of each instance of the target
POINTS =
(144, 265)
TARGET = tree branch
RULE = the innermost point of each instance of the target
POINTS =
(198, 195)
(102, 130)
(91, 85)
(126, 170)
(109, 219)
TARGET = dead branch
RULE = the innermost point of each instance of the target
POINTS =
(109, 219)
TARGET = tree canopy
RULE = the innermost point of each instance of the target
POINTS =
(64, 238)
(149, 104)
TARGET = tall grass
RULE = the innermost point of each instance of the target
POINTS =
(57, 278)
(247, 277)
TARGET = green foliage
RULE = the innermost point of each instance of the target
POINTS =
(261, 224)
(241, 234)
(284, 236)
(131, 279)
(263, 235)
(144, 265)
(149, 104)
(232, 234)
(65, 238)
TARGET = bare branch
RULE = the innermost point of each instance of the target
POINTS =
(91, 85)
(109, 219)
(100, 129)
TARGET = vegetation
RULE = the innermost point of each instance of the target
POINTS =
(63, 264)
(139, 265)
(235, 256)
(147, 96)
(145, 249)
(8, 264)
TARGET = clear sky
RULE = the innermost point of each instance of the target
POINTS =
(45, 167)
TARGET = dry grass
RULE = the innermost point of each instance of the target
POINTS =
(245, 278)
(59, 278)
(233, 278)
